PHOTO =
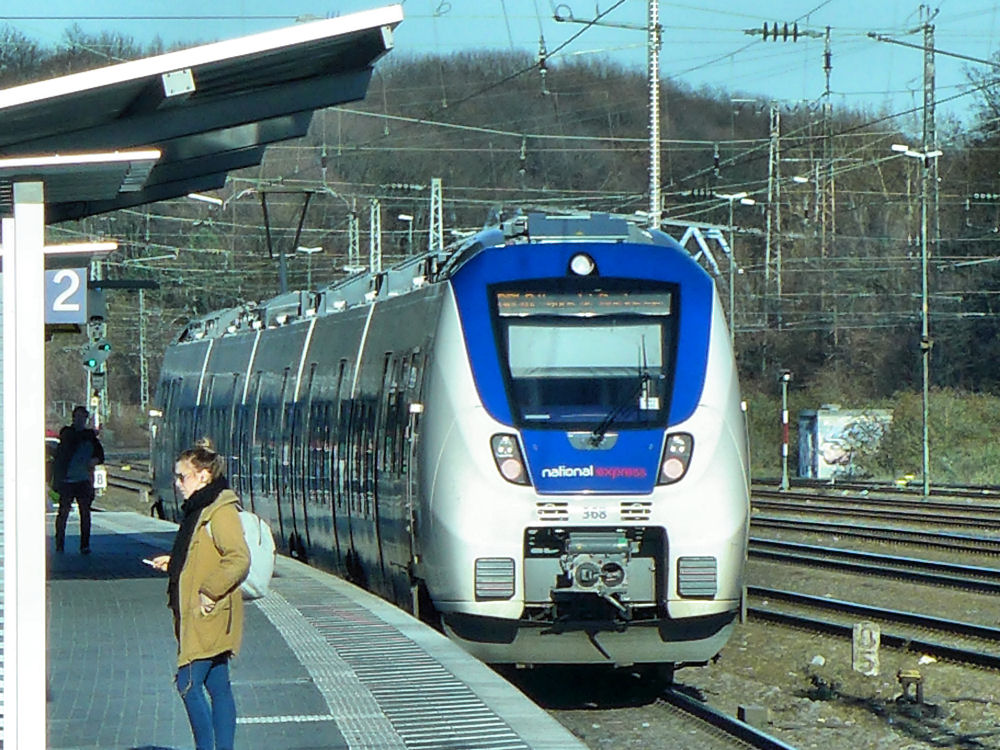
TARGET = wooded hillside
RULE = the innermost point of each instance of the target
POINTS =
(830, 291)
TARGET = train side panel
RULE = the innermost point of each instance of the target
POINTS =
(386, 432)
(467, 510)
(707, 512)
(178, 395)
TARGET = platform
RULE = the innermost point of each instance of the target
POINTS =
(324, 665)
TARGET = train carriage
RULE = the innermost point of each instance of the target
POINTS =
(534, 437)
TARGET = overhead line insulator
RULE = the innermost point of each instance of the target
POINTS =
(785, 30)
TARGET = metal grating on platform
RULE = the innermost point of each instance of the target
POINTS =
(426, 705)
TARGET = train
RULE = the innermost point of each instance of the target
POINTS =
(533, 438)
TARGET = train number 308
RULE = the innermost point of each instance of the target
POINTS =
(594, 514)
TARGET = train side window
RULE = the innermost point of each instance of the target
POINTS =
(282, 457)
(384, 450)
(369, 448)
(397, 423)
(342, 452)
(255, 446)
(317, 442)
(414, 377)
(305, 452)
(336, 442)
(236, 473)
(169, 427)
(232, 445)
(202, 415)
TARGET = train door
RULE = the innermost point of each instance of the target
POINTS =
(215, 410)
(391, 480)
(232, 434)
(334, 460)
(415, 407)
(280, 459)
(256, 475)
(357, 441)
(301, 469)
(166, 446)
(381, 455)
(201, 418)
(224, 416)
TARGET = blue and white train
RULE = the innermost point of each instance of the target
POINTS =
(534, 438)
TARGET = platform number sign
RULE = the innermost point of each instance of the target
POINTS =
(66, 295)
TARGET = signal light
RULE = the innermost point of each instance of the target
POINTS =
(95, 353)
(507, 455)
(676, 458)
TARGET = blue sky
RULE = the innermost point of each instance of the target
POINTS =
(704, 41)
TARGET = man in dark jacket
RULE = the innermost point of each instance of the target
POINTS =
(78, 453)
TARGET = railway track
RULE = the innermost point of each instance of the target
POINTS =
(947, 541)
(715, 729)
(729, 729)
(961, 642)
(900, 519)
(592, 702)
(937, 572)
(988, 492)
(960, 513)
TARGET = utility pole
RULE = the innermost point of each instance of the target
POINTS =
(143, 367)
(829, 192)
(375, 236)
(653, 40)
(353, 242)
(785, 379)
(928, 221)
(927, 177)
(435, 242)
(653, 52)
(773, 233)
(772, 246)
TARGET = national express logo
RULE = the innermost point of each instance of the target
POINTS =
(604, 472)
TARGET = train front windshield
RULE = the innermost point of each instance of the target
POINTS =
(587, 358)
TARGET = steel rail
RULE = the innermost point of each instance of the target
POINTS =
(988, 506)
(904, 642)
(729, 724)
(951, 516)
(929, 571)
(945, 540)
(916, 619)
(938, 490)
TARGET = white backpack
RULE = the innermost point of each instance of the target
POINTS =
(260, 542)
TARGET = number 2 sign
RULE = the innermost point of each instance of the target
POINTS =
(66, 295)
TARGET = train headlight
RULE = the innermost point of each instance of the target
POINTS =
(676, 458)
(582, 264)
(507, 454)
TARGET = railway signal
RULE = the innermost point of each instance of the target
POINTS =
(95, 353)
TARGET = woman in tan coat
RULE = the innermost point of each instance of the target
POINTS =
(208, 562)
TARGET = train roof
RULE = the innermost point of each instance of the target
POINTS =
(365, 287)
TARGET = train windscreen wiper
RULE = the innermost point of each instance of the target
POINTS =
(601, 430)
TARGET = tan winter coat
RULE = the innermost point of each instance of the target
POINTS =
(215, 565)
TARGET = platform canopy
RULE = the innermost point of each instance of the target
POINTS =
(207, 110)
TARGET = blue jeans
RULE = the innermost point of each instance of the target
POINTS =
(213, 726)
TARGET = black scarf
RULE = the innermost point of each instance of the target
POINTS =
(192, 508)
